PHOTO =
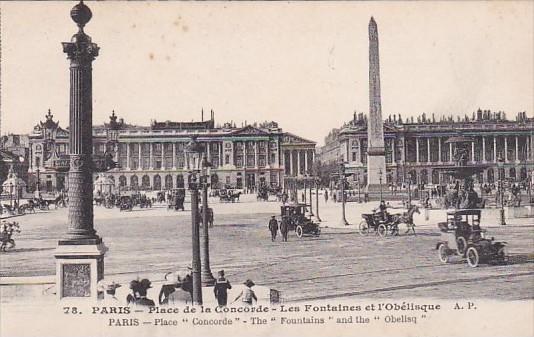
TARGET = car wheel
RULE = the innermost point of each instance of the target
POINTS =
(382, 231)
(502, 254)
(443, 253)
(462, 245)
(363, 228)
(472, 257)
(299, 231)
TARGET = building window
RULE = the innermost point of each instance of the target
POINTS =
(227, 160)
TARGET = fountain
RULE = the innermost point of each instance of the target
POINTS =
(463, 195)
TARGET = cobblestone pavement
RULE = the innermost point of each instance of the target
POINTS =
(339, 263)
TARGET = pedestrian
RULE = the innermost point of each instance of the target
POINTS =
(221, 289)
(273, 227)
(134, 295)
(109, 297)
(143, 300)
(248, 297)
(334, 196)
(326, 196)
(284, 228)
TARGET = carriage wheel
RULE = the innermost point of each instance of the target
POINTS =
(472, 257)
(394, 230)
(443, 253)
(300, 231)
(382, 231)
(462, 245)
(363, 228)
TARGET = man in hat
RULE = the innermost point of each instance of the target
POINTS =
(273, 227)
(284, 228)
(109, 298)
(247, 295)
(221, 289)
(144, 285)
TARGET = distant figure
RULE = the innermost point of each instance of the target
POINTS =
(248, 297)
(221, 289)
(284, 228)
(273, 227)
(325, 196)
(334, 196)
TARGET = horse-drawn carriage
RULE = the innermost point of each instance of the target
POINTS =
(175, 199)
(298, 221)
(228, 195)
(384, 224)
(461, 235)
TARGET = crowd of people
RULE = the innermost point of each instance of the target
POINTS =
(176, 290)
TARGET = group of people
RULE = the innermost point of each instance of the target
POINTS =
(177, 290)
(284, 228)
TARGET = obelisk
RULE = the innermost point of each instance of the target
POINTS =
(80, 253)
(376, 160)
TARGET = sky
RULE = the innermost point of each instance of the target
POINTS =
(304, 65)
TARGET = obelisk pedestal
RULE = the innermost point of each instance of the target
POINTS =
(376, 159)
(80, 253)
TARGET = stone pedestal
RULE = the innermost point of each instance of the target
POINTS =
(79, 267)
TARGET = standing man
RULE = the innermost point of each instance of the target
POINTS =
(221, 289)
(273, 227)
(325, 195)
(284, 228)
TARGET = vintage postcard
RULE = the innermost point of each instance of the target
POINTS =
(298, 168)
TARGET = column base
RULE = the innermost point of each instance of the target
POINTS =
(79, 267)
(207, 279)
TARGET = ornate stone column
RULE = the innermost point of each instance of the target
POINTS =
(505, 149)
(428, 150)
(151, 156)
(173, 156)
(494, 149)
(473, 152)
(516, 149)
(80, 253)
(417, 150)
(128, 156)
(483, 149)
(298, 163)
(139, 162)
(439, 150)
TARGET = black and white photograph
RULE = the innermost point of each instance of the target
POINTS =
(266, 168)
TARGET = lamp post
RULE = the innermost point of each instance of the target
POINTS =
(207, 277)
(380, 180)
(317, 199)
(10, 194)
(38, 183)
(409, 190)
(342, 183)
(358, 181)
(193, 152)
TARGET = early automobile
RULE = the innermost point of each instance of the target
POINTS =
(461, 235)
(298, 220)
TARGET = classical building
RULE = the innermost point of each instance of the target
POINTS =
(153, 158)
(416, 148)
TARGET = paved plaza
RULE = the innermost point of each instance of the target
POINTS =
(338, 263)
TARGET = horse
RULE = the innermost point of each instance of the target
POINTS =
(7, 230)
(407, 218)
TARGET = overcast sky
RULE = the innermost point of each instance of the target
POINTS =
(304, 65)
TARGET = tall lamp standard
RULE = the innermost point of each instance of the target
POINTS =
(193, 152)
(11, 194)
(500, 164)
(358, 181)
(342, 183)
(207, 277)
